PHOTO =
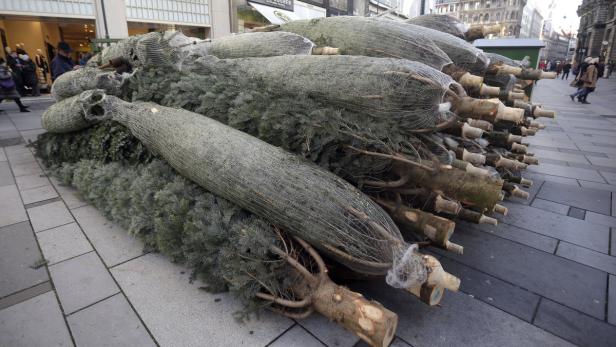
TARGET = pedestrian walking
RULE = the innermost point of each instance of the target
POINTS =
(589, 79)
(8, 88)
(559, 68)
(566, 69)
(62, 62)
(610, 68)
(548, 66)
(28, 72)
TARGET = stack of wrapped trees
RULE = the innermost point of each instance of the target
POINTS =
(264, 158)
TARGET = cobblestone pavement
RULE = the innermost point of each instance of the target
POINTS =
(545, 276)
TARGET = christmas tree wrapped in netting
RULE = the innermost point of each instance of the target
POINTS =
(453, 26)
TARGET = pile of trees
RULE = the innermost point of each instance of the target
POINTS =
(264, 158)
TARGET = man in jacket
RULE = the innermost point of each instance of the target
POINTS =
(62, 62)
(589, 78)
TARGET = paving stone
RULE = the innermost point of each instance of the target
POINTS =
(190, 315)
(568, 172)
(511, 299)
(610, 177)
(574, 326)
(35, 322)
(611, 301)
(599, 186)
(11, 206)
(568, 157)
(460, 320)
(557, 226)
(6, 176)
(27, 122)
(11, 151)
(31, 135)
(2, 155)
(22, 158)
(111, 322)
(82, 281)
(111, 241)
(551, 178)
(586, 153)
(63, 242)
(25, 294)
(30, 168)
(330, 333)
(49, 216)
(584, 198)
(31, 181)
(513, 233)
(69, 195)
(8, 138)
(18, 253)
(396, 342)
(576, 213)
(550, 206)
(296, 337)
(556, 278)
(600, 219)
(33, 195)
(588, 257)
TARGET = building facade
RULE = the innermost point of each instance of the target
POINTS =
(508, 13)
(531, 23)
(597, 31)
(556, 47)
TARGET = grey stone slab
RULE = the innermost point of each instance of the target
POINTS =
(63, 242)
(111, 322)
(611, 301)
(190, 315)
(568, 157)
(296, 337)
(6, 176)
(557, 226)
(397, 342)
(49, 216)
(18, 253)
(576, 213)
(588, 257)
(2, 155)
(568, 172)
(560, 143)
(22, 158)
(513, 233)
(601, 219)
(12, 151)
(599, 186)
(610, 177)
(33, 323)
(82, 281)
(25, 294)
(493, 291)
(31, 135)
(574, 326)
(600, 149)
(33, 195)
(70, 195)
(110, 240)
(330, 333)
(30, 168)
(550, 206)
(548, 275)
(551, 178)
(459, 321)
(27, 122)
(11, 206)
(31, 181)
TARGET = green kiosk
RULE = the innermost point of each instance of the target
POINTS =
(515, 49)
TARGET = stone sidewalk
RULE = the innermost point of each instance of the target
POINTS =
(546, 276)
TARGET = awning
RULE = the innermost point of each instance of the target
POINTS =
(275, 15)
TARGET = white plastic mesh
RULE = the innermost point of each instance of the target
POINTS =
(441, 22)
(302, 198)
(76, 81)
(408, 270)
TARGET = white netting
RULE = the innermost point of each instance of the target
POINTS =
(76, 81)
(441, 22)
(299, 196)
(370, 37)
(408, 270)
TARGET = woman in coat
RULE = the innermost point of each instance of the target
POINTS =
(589, 78)
(8, 88)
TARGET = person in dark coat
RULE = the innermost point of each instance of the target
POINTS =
(28, 72)
(566, 69)
(8, 87)
(62, 62)
(14, 64)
